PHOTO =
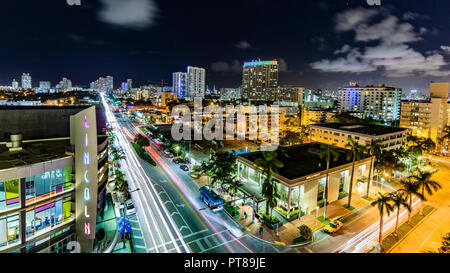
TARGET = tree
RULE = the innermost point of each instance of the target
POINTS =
(399, 200)
(305, 232)
(327, 152)
(141, 140)
(269, 164)
(425, 182)
(116, 154)
(411, 188)
(374, 149)
(290, 138)
(233, 186)
(270, 192)
(355, 152)
(120, 184)
(383, 206)
(220, 167)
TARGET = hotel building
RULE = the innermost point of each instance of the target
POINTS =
(257, 78)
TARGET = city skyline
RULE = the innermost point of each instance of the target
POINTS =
(338, 50)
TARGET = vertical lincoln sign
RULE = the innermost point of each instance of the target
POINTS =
(83, 134)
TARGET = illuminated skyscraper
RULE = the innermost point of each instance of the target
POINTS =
(258, 77)
(179, 84)
(195, 82)
(26, 81)
(129, 84)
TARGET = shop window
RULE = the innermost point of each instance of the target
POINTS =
(12, 193)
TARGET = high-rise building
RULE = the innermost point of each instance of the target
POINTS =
(44, 85)
(258, 77)
(103, 84)
(380, 102)
(229, 94)
(427, 118)
(65, 84)
(26, 81)
(195, 82)
(129, 84)
(14, 84)
(179, 80)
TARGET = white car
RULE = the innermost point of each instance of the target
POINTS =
(129, 206)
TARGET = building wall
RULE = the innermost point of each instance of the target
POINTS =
(380, 103)
(258, 77)
(340, 137)
(42, 122)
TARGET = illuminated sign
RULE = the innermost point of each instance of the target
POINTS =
(83, 133)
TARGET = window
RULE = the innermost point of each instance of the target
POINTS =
(48, 215)
(9, 230)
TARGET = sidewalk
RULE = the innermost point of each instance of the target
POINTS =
(289, 231)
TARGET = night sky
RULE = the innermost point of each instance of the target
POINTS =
(319, 43)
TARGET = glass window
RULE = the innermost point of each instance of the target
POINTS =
(9, 230)
(2, 196)
(47, 215)
(12, 193)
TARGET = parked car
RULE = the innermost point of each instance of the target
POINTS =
(129, 207)
(184, 168)
(177, 161)
(333, 227)
(168, 153)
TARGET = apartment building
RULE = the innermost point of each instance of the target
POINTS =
(380, 102)
(427, 118)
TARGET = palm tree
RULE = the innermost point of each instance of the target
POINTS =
(411, 188)
(384, 206)
(111, 136)
(399, 200)
(374, 149)
(117, 154)
(269, 164)
(425, 183)
(355, 152)
(327, 152)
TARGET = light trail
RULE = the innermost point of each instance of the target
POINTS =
(369, 236)
(142, 179)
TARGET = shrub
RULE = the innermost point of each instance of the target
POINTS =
(271, 219)
(305, 232)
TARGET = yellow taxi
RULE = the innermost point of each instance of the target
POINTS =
(333, 227)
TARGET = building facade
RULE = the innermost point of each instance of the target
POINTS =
(179, 81)
(301, 182)
(26, 81)
(380, 103)
(427, 118)
(337, 134)
(257, 78)
(40, 203)
(310, 116)
(195, 82)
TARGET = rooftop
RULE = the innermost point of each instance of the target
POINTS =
(32, 153)
(301, 160)
(365, 129)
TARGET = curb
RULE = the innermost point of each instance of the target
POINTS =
(275, 243)
(410, 232)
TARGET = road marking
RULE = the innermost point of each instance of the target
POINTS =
(182, 197)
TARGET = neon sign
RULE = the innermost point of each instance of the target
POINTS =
(87, 196)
